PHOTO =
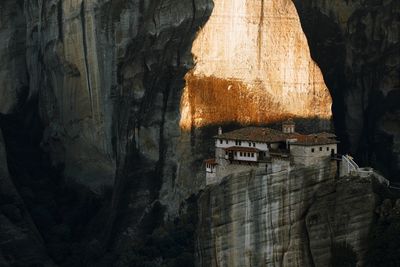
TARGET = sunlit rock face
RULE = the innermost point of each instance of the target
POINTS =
(253, 66)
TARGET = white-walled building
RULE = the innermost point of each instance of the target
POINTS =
(273, 150)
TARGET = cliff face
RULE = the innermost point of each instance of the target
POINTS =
(356, 44)
(285, 219)
(21, 243)
(252, 58)
(106, 75)
(105, 78)
(13, 74)
(96, 87)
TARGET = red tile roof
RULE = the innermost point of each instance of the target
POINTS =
(210, 161)
(288, 122)
(314, 140)
(268, 135)
(257, 134)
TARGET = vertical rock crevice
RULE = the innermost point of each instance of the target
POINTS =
(85, 54)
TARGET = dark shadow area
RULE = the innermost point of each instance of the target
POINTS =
(169, 244)
(343, 255)
(361, 71)
(67, 215)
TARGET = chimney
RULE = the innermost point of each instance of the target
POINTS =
(219, 130)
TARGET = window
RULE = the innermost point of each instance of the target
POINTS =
(252, 155)
(320, 148)
(220, 141)
(241, 154)
(249, 144)
(235, 153)
(312, 150)
(240, 143)
(226, 152)
(327, 148)
(226, 141)
(254, 144)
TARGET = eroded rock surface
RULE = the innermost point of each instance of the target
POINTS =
(13, 73)
(20, 242)
(283, 219)
(253, 65)
(357, 46)
(106, 78)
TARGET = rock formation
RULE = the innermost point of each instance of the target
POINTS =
(105, 78)
(13, 73)
(94, 88)
(357, 46)
(253, 65)
(20, 242)
(291, 218)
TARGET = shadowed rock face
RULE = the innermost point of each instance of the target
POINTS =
(356, 44)
(106, 79)
(21, 244)
(13, 73)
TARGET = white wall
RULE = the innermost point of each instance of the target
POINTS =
(244, 156)
(230, 143)
(224, 144)
(210, 168)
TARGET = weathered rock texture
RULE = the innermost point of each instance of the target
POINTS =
(283, 219)
(252, 58)
(357, 46)
(106, 78)
(13, 74)
(20, 242)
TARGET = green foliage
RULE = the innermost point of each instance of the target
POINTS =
(343, 255)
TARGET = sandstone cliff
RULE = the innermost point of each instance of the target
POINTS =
(252, 58)
(294, 218)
